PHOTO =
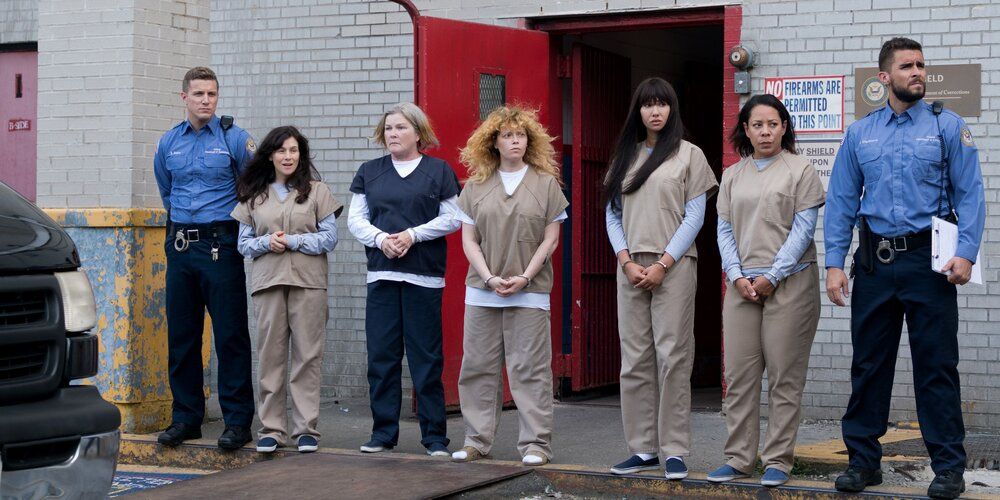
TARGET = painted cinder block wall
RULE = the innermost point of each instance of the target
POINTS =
(332, 68)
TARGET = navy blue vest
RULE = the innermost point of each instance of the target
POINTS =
(396, 203)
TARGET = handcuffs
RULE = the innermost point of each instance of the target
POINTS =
(184, 237)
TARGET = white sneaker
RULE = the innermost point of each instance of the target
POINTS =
(534, 459)
(460, 455)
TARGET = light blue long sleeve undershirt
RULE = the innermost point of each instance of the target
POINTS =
(680, 242)
(786, 261)
(324, 240)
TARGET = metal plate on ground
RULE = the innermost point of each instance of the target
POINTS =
(322, 475)
(982, 450)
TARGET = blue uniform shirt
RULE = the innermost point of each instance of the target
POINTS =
(897, 162)
(194, 170)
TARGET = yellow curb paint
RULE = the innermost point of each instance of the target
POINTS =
(835, 452)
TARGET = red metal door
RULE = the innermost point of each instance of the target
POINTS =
(18, 120)
(464, 68)
(601, 88)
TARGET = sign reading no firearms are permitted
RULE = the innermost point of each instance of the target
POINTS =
(815, 103)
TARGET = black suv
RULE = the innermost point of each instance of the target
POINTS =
(57, 439)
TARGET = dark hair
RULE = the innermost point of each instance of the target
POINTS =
(738, 137)
(259, 174)
(198, 73)
(668, 141)
(890, 47)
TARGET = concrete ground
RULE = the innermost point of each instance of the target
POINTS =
(588, 433)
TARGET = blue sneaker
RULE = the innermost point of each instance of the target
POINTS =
(675, 469)
(308, 444)
(267, 445)
(636, 464)
(726, 473)
(438, 450)
(773, 477)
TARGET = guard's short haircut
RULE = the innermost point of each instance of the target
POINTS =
(890, 47)
(198, 73)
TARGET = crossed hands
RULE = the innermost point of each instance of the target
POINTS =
(505, 287)
(648, 278)
(396, 245)
(755, 289)
(278, 242)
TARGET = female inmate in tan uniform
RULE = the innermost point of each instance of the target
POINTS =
(287, 225)
(511, 208)
(656, 186)
(768, 205)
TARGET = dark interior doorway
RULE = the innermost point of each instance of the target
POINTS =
(690, 58)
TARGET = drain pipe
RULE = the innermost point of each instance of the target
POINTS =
(415, 17)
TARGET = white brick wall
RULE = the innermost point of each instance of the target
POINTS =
(109, 77)
(18, 21)
(330, 69)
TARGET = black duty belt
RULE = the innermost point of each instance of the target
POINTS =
(886, 247)
(185, 234)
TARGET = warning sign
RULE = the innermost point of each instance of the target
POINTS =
(821, 153)
(816, 103)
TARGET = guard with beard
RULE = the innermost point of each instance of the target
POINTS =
(910, 161)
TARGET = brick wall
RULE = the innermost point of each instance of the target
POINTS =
(18, 21)
(108, 86)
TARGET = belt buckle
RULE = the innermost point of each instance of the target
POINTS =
(899, 244)
(192, 235)
(885, 253)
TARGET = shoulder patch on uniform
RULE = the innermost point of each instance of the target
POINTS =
(967, 137)
(251, 146)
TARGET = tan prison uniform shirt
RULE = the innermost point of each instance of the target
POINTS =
(273, 215)
(510, 228)
(761, 205)
(652, 214)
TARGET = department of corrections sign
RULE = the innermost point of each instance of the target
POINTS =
(815, 103)
(959, 86)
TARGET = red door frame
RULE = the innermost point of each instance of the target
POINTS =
(730, 17)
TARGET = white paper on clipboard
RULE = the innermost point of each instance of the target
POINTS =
(944, 242)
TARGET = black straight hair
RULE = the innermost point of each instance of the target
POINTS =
(653, 90)
(738, 137)
(259, 174)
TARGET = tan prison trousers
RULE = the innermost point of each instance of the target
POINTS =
(657, 342)
(777, 335)
(289, 316)
(521, 337)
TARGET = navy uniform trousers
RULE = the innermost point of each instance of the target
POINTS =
(905, 288)
(194, 282)
(403, 314)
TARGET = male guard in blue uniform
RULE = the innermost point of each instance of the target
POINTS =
(196, 166)
(889, 175)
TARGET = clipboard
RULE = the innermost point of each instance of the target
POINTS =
(944, 242)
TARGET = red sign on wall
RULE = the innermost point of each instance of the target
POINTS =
(18, 124)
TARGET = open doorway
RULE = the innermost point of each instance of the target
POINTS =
(600, 68)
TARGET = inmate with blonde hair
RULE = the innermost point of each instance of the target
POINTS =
(482, 157)
(510, 215)
(417, 118)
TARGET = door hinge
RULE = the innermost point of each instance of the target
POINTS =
(564, 66)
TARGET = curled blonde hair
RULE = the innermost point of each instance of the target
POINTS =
(416, 117)
(482, 158)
